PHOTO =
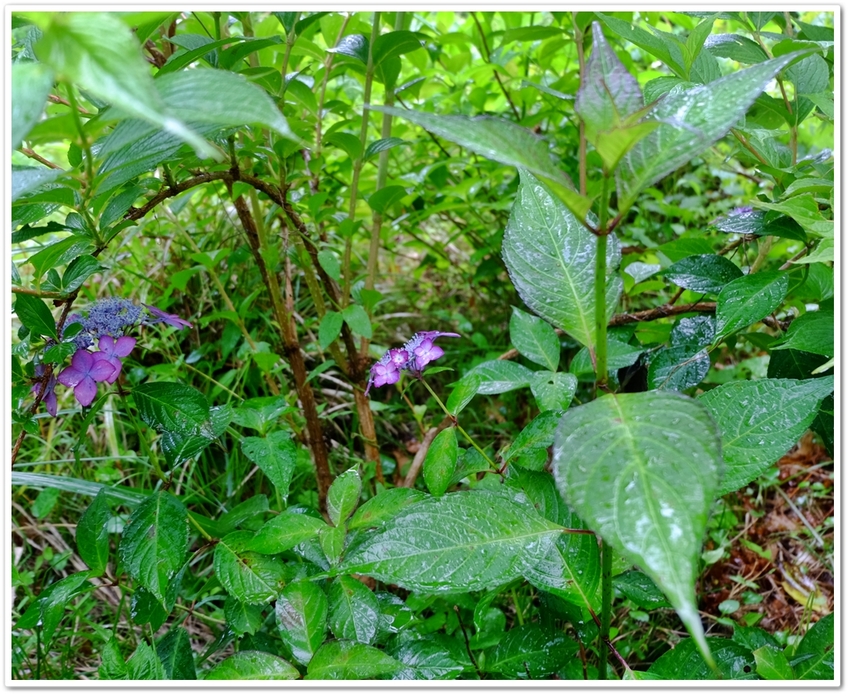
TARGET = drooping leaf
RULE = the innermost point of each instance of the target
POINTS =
(551, 260)
(29, 179)
(498, 536)
(93, 534)
(535, 339)
(749, 299)
(48, 609)
(276, 456)
(463, 392)
(248, 576)
(503, 142)
(691, 121)
(253, 664)
(155, 542)
(353, 46)
(640, 590)
(354, 613)
(772, 664)
(703, 273)
(619, 462)
(302, 611)
(440, 462)
(760, 420)
(31, 84)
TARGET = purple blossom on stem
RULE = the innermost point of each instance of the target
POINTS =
(85, 371)
(413, 357)
(170, 319)
(111, 350)
(49, 396)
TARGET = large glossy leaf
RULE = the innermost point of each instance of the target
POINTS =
(749, 299)
(34, 313)
(253, 664)
(504, 142)
(425, 660)
(302, 612)
(703, 273)
(812, 332)
(98, 52)
(490, 541)
(284, 532)
(276, 456)
(31, 84)
(248, 576)
(535, 339)
(499, 376)
(440, 462)
(530, 652)
(155, 542)
(691, 120)
(354, 613)
(760, 421)
(551, 260)
(817, 651)
(348, 660)
(684, 661)
(643, 470)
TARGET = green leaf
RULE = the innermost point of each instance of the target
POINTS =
(530, 652)
(691, 121)
(99, 53)
(812, 332)
(329, 328)
(347, 141)
(735, 47)
(175, 654)
(539, 434)
(678, 368)
(144, 664)
(330, 263)
(685, 662)
(383, 199)
(35, 315)
(302, 611)
(28, 179)
(771, 663)
(749, 299)
(440, 462)
(93, 534)
(619, 355)
(761, 223)
(354, 613)
(656, 44)
(463, 392)
(48, 610)
(253, 664)
(155, 541)
(248, 576)
(381, 145)
(818, 649)
(383, 507)
(44, 502)
(640, 590)
(503, 142)
(355, 316)
(693, 331)
(348, 660)
(418, 551)
(395, 43)
(31, 85)
(343, 496)
(425, 660)
(60, 253)
(535, 339)
(276, 455)
(353, 46)
(804, 210)
(498, 376)
(703, 273)
(78, 271)
(620, 463)
(609, 93)
(761, 420)
(553, 390)
(332, 541)
(283, 532)
(242, 618)
(551, 260)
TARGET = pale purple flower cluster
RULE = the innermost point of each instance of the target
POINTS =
(413, 357)
(105, 323)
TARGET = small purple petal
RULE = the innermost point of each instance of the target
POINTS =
(82, 360)
(50, 401)
(170, 319)
(85, 391)
(102, 370)
(71, 376)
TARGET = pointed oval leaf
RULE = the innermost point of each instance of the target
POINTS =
(818, 649)
(678, 368)
(643, 470)
(155, 542)
(463, 392)
(302, 612)
(175, 653)
(378, 510)
(249, 577)
(812, 332)
(703, 273)
(498, 376)
(440, 462)
(691, 121)
(749, 299)
(540, 433)
(93, 533)
(35, 315)
(276, 455)
(253, 664)
(348, 660)
(760, 421)
(425, 660)
(354, 46)
(284, 532)
(551, 259)
(355, 316)
(329, 328)
(343, 496)
(535, 339)
(553, 390)
(530, 652)
(417, 550)
(685, 662)
(354, 613)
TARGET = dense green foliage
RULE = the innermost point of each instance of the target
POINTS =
(240, 454)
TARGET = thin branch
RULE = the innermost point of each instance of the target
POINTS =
(495, 72)
(32, 154)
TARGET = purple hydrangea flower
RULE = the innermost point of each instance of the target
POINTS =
(413, 357)
(111, 350)
(85, 371)
(49, 397)
(170, 319)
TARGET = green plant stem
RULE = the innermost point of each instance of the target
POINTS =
(457, 425)
(605, 613)
(600, 279)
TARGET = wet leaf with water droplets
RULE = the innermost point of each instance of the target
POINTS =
(749, 299)
(642, 470)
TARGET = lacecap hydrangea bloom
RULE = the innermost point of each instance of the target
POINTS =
(413, 357)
